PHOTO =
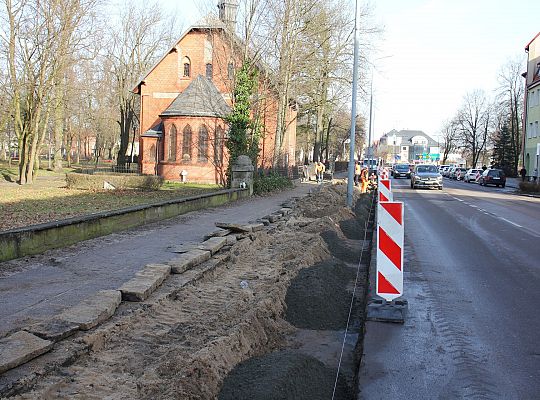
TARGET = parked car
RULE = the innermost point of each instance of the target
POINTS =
(493, 176)
(450, 171)
(459, 173)
(445, 170)
(426, 176)
(401, 171)
(442, 167)
(471, 174)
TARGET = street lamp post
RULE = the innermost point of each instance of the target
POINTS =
(350, 174)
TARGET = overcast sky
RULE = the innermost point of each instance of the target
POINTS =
(435, 51)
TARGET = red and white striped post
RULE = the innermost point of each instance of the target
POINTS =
(458, 175)
(385, 190)
(390, 239)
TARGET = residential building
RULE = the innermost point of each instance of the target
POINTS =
(531, 137)
(407, 146)
(186, 96)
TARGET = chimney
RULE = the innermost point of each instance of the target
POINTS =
(227, 13)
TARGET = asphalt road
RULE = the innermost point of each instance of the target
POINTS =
(472, 279)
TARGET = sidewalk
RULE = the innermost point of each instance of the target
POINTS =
(35, 288)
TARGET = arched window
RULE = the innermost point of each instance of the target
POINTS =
(218, 146)
(230, 70)
(187, 67)
(172, 144)
(186, 143)
(209, 71)
(152, 153)
(202, 155)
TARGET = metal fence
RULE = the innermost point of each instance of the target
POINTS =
(132, 169)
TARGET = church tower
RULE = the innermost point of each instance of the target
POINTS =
(227, 13)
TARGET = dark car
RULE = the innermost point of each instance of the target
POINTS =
(493, 176)
(401, 171)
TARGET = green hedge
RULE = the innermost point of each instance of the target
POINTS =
(529, 187)
(120, 181)
(271, 182)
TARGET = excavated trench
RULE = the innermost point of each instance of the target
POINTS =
(318, 302)
(278, 337)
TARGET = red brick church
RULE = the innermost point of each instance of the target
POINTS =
(185, 97)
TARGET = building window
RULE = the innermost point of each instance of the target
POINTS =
(404, 148)
(172, 144)
(152, 153)
(230, 70)
(535, 132)
(218, 146)
(209, 71)
(186, 143)
(202, 155)
(529, 131)
(187, 67)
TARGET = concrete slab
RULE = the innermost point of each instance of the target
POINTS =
(233, 227)
(19, 348)
(231, 239)
(213, 245)
(145, 282)
(94, 310)
(188, 260)
(218, 233)
(54, 330)
(256, 226)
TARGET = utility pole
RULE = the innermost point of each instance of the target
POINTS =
(350, 175)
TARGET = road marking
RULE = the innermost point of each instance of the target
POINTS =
(510, 222)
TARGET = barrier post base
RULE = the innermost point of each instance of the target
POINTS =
(387, 311)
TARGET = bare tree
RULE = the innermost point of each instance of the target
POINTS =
(144, 34)
(510, 98)
(450, 136)
(474, 121)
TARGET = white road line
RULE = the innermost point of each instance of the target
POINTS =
(510, 222)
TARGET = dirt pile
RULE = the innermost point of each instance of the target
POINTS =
(183, 346)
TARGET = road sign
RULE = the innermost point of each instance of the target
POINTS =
(385, 190)
(390, 239)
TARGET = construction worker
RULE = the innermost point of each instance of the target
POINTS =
(364, 180)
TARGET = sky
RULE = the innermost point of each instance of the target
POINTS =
(431, 54)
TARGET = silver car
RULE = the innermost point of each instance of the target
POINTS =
(426, 176)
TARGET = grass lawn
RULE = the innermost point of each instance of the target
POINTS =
(48, 200)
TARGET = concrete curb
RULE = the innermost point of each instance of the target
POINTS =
(39, 238)
(36, 340)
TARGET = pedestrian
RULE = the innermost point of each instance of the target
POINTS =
(523, 173)
(305, 172)
(319, 169)
(484, 167)
(357, 171)
(364, 180)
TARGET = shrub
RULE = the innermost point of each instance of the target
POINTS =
(120, 181)
(529, 187)
(263, 184)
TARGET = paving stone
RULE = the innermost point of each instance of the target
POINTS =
(188, 260)
(54, 329)
(19, 348)
(231, 239)
(233, 227)
(256, 227)
(219, 233)
(213, 244)
(94, 310)
(145, 282)
(274, 217)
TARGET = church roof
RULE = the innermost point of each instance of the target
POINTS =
(200, 99)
